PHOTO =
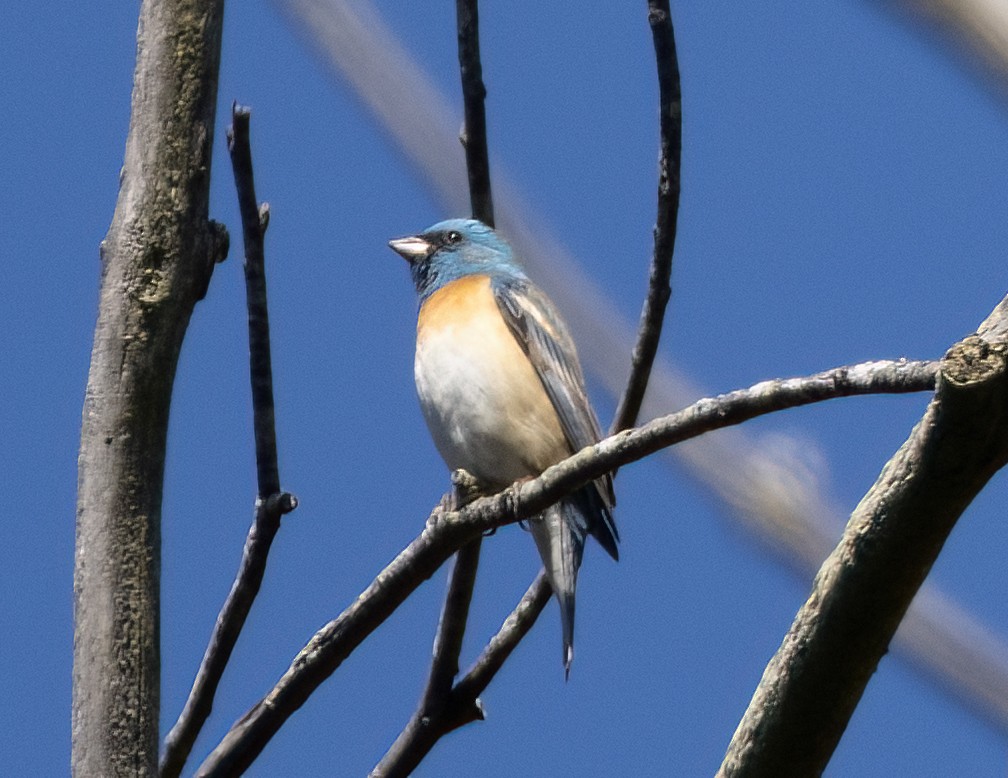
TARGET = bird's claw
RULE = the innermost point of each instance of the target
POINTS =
(465, 489)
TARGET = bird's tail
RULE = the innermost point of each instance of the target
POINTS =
(559, 534)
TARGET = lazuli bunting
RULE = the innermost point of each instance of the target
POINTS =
(501, 388)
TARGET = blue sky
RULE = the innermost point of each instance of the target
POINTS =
(843, 200)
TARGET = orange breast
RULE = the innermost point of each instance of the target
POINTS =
(464, 300)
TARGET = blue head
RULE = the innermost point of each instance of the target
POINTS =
(453, 249)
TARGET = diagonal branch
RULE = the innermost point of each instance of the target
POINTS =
(271, 503)
(515, 628)
(862, 591)
(669, 163)
(418, 561)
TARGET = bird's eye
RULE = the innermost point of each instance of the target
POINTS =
(453, 237)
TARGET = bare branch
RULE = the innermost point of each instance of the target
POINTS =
(474, 133)
(157, 260)
(334, 642)
(271, 503)
(669, 162)
(756, 488)
(812, 685)
(462, 706)
(425, 726)
(518, 623)
(451, 629)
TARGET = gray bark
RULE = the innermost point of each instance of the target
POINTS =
(156, 263)
(812, 685)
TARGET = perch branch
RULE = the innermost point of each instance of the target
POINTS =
(448, 531)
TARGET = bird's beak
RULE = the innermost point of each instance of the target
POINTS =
(411, 248)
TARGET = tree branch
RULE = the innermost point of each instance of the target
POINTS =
(448, 531)
(271, 503)
(474, 134)
(669, 162)
(812, 685)
(424, 729)
(157, 259)
(462, 578)
(512, 631)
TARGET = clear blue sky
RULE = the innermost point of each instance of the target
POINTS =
(843, 199)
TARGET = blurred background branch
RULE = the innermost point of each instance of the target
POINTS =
(976, 30)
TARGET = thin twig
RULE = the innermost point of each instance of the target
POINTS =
(418, 561)
(451, 628)
(669, 162)
(271, 503)
(463, 705)
(518, 623)
(474, 133)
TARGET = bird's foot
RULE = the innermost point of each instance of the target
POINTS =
(465, 489)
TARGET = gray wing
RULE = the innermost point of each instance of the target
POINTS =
(545, 339)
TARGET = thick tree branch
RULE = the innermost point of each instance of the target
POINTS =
(669, 162)
(812, 685)
(157, 260)
(271, 503)
(415, 564)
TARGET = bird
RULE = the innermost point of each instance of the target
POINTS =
(502, 391)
